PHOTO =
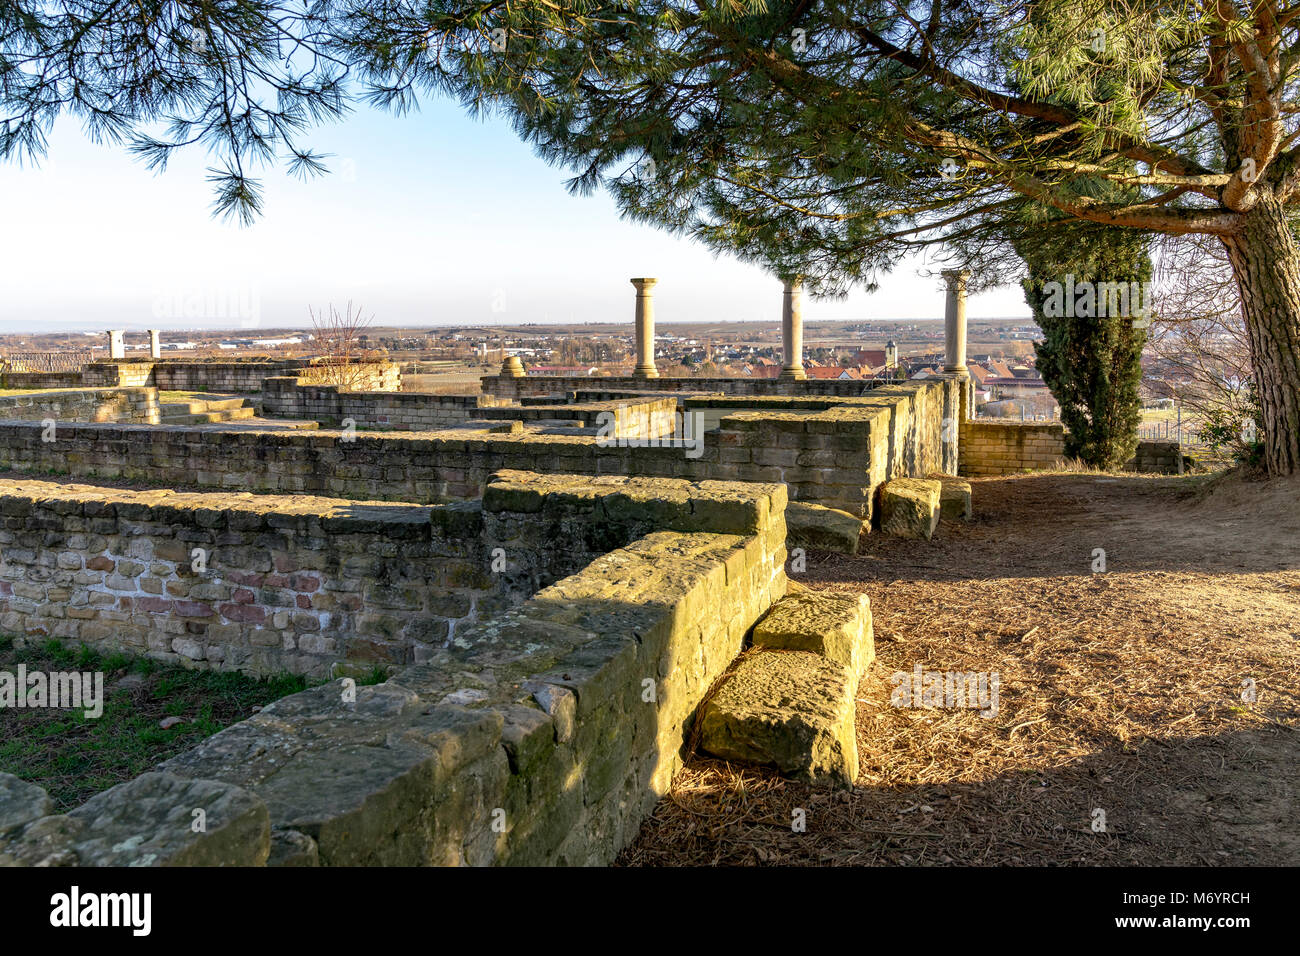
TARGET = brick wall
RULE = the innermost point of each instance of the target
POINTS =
(128, 405)
(1004, 448)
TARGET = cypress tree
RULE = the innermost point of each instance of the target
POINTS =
(1090, 357)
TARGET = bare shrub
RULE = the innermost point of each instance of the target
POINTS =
(1198, 342)
(338, 340)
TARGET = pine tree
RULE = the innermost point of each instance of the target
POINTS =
(829, 139)
(1090, 357)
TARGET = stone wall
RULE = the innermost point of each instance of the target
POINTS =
(283, 584)
(1004, 448)
(505, 386)
(285, 397)
(128, 405)
(1160, 458)
(542, 737)
(232, 376)
(837, 456)
(41, 380)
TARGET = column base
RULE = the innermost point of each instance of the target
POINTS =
(792, 375)
(646, 371)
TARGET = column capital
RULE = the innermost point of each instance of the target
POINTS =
(956, 277)
(793, 281)
(644, 285)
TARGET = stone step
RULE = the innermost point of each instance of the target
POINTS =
(791, 701)
(792, 710)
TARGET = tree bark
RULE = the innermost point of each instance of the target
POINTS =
(1266, 263)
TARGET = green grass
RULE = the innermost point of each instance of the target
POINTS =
(74, 757)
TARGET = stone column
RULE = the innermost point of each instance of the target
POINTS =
(116, 348)
(155, 348)
(645, 329)
(512, 367)
(954, 334)
(954, 323)
(792, 329)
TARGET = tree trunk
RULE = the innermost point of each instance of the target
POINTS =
(1266, 263)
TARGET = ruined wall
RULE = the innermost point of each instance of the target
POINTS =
(421, 411)
(1004, 448)
(505, 386)
(127, 405)
(287, 397)
(544, 736)
(232, 376)
(282, 585)
(1160, 458)
(41, 380)
(835, 457)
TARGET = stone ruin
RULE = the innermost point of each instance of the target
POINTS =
(570, 585)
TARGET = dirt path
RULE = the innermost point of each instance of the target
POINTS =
(1125, 691)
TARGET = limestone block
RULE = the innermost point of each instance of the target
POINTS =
(835, 625)
(793, 710)
(910, 507)
(816, 526)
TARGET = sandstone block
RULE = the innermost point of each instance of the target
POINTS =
(910, 507)
(793, 710)
(836, 626)
(954, 498)
(816, 526)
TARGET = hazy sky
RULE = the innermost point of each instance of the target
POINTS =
(434, 218)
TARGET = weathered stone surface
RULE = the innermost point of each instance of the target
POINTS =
(954, 498)
(292, 848)
(816, 526)
(910, 507)
(49, 841)
(793, 710)
(21, 802)
(151, 821)
(832, 624)
(360, 804)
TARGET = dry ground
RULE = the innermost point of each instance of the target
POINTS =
(1120, 691)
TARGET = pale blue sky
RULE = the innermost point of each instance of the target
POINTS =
(432, 218)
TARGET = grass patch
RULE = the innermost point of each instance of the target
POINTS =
(74, 757)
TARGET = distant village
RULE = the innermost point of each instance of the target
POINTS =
(1001, 359)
